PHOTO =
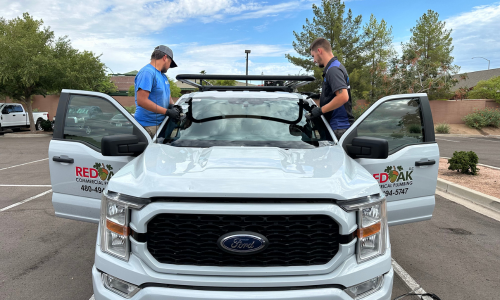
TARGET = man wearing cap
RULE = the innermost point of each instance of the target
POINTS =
(335, 99)
(152, 91)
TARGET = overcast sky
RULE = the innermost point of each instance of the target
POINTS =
(212, 35)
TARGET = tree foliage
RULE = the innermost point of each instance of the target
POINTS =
(486, 89)
(378, 50)
(175, 91)
(426, 63)
(342, 29)
(34, 62)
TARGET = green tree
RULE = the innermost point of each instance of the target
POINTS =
(175, 91)
(486, 89)
(426, 63)
(342, 29)
(131, 91)
(378, 50)
(34, 62)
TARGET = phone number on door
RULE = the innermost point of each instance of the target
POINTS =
(396, 192)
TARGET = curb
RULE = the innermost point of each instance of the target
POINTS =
(466, 135)
(487, 201)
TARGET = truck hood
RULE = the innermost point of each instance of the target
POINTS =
(250, 172)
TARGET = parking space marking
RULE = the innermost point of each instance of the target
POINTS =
(486, 140)
(408, 280)
(24, 164)
(447, 140)
(92, 298)
(25, 185)
(25, 200)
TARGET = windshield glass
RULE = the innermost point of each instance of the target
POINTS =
(277, 122)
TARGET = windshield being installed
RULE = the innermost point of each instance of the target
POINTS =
(273, 122)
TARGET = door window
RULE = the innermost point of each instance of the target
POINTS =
(397, 121)
(90, 118)
(18, 108)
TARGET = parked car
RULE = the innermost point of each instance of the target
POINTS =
(13, 116)
(120, 120)
(244, 197)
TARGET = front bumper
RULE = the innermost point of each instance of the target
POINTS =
(166, 293)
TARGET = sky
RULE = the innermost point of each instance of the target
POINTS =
(212, 35)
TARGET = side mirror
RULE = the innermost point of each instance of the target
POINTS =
(122, 145)
(368, 147)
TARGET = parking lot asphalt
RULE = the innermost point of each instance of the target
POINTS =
(45, 257)
(486, 148)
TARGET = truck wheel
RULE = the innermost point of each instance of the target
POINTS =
(88, 130)
(39, 125)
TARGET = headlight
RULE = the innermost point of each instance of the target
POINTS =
(372, 226)
(115, 213)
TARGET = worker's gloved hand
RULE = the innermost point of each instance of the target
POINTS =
(315, 113)
(173, 113)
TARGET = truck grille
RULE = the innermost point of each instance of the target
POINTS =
(294, 240)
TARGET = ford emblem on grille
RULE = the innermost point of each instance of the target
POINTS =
(242, 242)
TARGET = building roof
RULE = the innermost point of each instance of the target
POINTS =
(474, 78)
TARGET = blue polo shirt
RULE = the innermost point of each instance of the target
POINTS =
(335, 78)
(156, 83)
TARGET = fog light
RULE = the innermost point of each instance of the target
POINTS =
(120, 287)
(366, 288)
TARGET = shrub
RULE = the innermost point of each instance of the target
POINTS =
(482, 118)
(464, 162)
(358, 110)
(414, 128)
(35, 110)
(46, 125)
(130, 109)
(443, 128)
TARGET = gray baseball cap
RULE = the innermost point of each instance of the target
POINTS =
(168, 52)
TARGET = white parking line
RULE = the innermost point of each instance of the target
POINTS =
(92, 298)
(484, 140)
(25, 200)
(24, 164)
(447, 140)
(25, 185)
(408, 280)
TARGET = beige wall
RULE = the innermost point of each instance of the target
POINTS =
(452, 111)
(50, 102)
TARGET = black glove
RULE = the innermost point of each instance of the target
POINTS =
(173, 113)
(315, 113)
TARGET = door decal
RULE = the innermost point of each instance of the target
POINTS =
(395, 177)
(99, 175)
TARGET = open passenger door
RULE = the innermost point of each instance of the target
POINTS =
(408, 176)
(79, 173)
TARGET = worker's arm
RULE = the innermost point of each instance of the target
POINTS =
(341, 97)
(171, 100)
(144, 102)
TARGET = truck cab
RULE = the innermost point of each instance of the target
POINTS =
(245, 197)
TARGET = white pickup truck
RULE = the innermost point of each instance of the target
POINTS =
(13, 116)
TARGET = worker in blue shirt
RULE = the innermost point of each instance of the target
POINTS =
(152, 91)
(335, 100)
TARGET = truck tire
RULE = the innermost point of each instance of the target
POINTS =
(38, 125)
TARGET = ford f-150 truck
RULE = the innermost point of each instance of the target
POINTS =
(13, 116)
(244, 197)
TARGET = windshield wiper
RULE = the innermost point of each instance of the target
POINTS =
(301, 103)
